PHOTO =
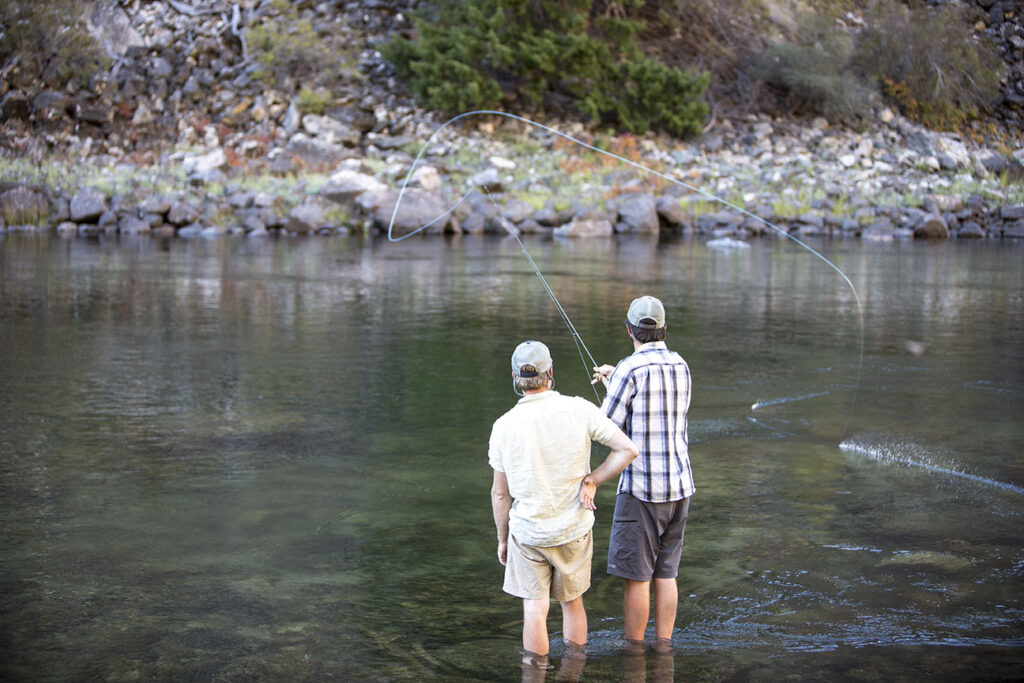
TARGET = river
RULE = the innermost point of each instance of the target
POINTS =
(229, 460)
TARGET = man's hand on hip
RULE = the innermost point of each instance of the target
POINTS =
(588, 487)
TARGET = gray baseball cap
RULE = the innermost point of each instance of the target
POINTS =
(646, 312)
(531, 353)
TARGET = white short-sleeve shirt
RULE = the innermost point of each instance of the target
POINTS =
(543, 447)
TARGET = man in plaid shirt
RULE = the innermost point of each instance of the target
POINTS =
(648, 398)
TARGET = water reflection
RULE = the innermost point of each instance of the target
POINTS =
(238, 460)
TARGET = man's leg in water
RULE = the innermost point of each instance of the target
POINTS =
(535, 625)
(666, 601)
(574, 621)
(637, 608)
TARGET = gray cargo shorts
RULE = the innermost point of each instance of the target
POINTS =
(647, 538)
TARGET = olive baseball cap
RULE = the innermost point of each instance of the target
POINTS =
(646, 312)
(532, 353)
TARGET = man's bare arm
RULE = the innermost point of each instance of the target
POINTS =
(501, 503)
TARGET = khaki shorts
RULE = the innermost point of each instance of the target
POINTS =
(561, 572)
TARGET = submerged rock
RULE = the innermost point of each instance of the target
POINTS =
(943, 561)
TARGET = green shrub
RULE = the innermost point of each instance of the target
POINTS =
(49, 41)
(557, 55)
(646, 94)
(814, 72)
(313, 101)
(291, 52)
(288, 50)
(928, 63)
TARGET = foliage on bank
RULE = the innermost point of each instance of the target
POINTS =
(924, 60)
(619, 62)
(633, 65)
(574, 54)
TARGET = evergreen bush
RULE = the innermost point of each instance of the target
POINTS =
(557, 55)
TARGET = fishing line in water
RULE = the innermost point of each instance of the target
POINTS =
(883, 453)
(675, 181)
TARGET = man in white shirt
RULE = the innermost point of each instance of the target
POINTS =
(542, 496)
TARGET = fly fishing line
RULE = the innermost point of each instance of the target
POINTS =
(675, 181)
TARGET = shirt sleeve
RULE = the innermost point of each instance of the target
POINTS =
(494, 451)
(598, 425)
(620, 395)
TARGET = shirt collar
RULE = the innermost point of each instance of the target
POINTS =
(538, 397)
(651, 346)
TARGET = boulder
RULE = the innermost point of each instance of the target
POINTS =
(517, 211)
(200, 164)
(1014, 230)
(932, 226)
(191, 230)
(474, 223)
(50, 101)
(1012, 213)
(993, 162)
(489, 180)
(306, 217)
(155, 204)
(330, 130)
(547, 216)
(345, 185)
(417, 210)
(112, 28)
(317, 151)
(94, 113)
(879, 231)
(671, 210)
(639, 214)
(426, 178)
(213, 176)
(532, 227)
(132, 225)
(264, 200)
(707, 222)
(14, 106)
(87, 205)
(182, 213)
(970, 230)
(160, 68)
(143, 115)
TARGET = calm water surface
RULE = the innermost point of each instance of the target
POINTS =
(255, 460)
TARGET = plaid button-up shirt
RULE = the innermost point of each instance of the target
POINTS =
(648, 397)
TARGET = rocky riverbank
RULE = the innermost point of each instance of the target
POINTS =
(184, 137)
